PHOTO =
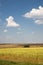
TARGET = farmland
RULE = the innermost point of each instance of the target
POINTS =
(22, 56)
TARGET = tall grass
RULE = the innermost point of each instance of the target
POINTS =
(30, 55)
(3, 62)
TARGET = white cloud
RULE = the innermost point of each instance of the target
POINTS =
(5, 30)
(36, 15)
(39, 21)
(11, 22)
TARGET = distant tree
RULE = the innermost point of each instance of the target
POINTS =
(26, 46)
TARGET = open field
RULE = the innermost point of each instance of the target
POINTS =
(25, 56)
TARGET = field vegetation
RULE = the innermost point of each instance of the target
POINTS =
(22, 56)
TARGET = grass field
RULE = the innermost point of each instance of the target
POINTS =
(21, 56)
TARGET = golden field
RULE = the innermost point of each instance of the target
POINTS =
(31, 55)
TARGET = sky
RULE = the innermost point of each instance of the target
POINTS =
(21, 21)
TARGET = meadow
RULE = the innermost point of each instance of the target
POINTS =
(21, 56)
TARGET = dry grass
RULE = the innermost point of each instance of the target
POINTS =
(33, 55)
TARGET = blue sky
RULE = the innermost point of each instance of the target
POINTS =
(21, 21)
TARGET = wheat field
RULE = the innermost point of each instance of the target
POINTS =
(30, 55)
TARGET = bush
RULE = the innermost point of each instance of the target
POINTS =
(26, 46)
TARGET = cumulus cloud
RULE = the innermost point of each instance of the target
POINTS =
(11, 22)
(36, 15)
(5, 30)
